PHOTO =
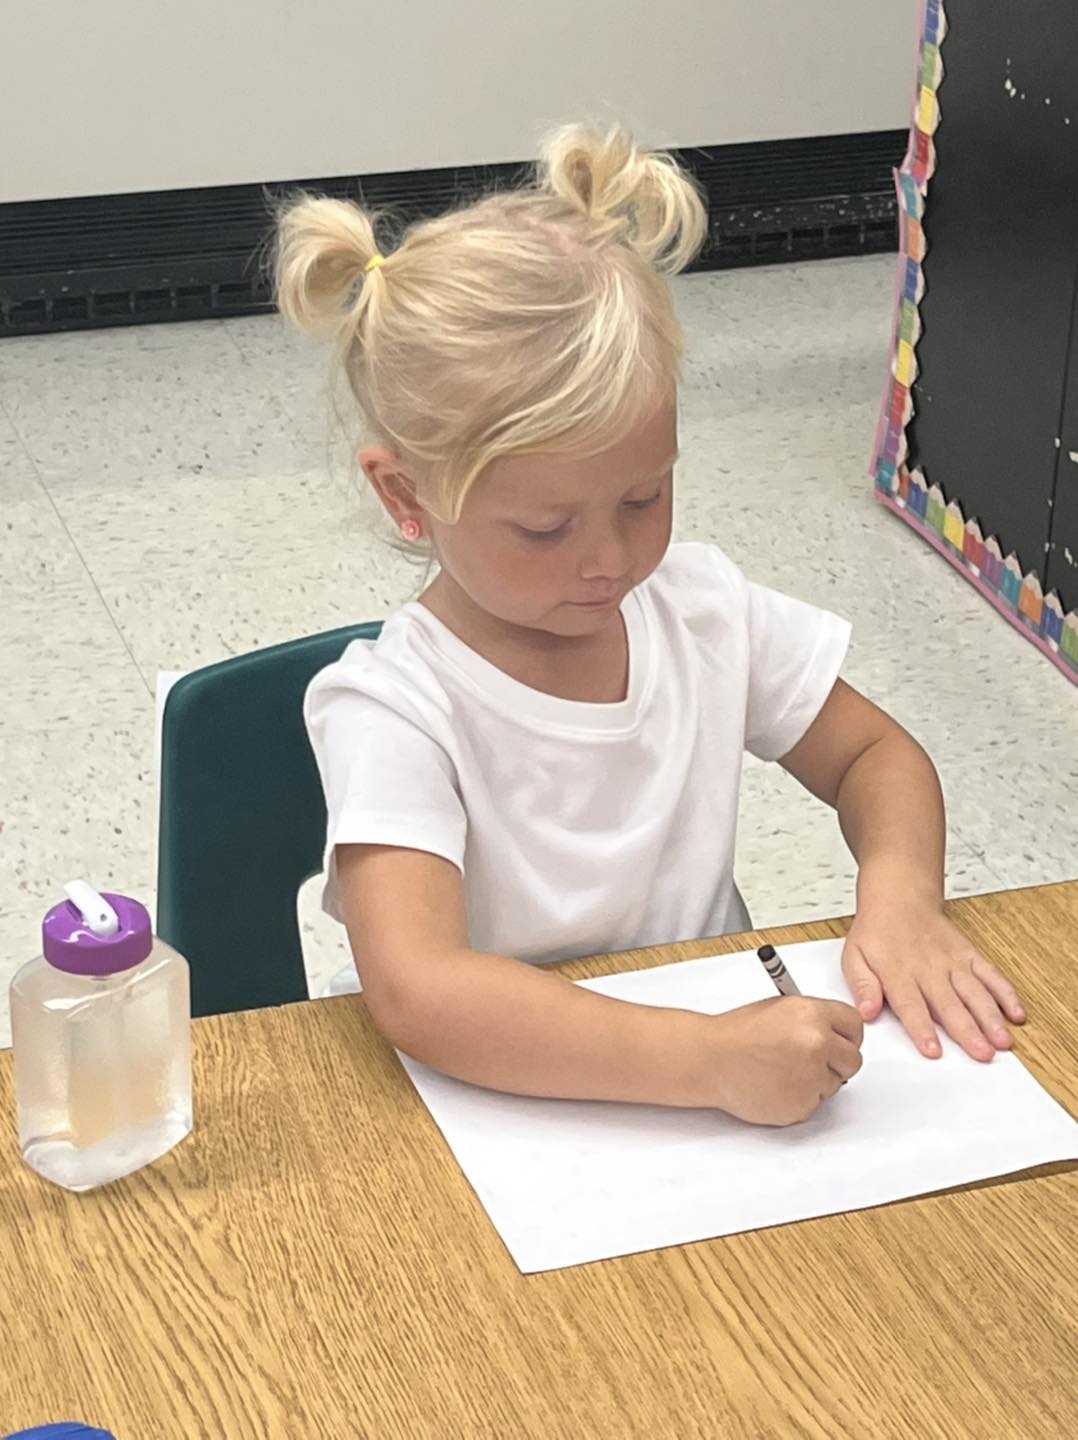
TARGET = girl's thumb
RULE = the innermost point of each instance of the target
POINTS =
(864, 986)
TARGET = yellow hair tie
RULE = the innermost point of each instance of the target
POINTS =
(373, 263)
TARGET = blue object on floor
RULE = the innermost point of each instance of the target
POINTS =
(64, 1430)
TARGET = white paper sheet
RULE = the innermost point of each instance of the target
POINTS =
(566, 1182)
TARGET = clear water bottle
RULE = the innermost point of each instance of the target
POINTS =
(101, 1032)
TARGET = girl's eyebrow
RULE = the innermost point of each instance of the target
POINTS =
(555, 510)
(659, 474)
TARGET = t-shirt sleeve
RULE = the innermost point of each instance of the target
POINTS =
(795, 654)
(386, 780)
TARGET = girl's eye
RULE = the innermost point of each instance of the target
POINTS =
(542, 534)
(560, 530)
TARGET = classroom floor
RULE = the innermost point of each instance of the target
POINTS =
(169, 497)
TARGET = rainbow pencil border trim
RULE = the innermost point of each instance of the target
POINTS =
(1016, 595)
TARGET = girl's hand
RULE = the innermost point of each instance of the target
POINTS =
(913, 957)
(775, 1062)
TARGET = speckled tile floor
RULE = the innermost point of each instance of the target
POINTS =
(168, 497)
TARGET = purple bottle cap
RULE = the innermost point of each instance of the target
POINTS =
(69, 943)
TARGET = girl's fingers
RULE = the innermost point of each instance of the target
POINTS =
(845, 1059)
(953, 1014)
(1001, 988)
(831, 1084)
(909, 1005)
(865, 988)
(981, 1004)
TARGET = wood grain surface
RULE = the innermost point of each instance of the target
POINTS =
(311, 1263)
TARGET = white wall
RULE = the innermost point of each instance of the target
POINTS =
(125, 95)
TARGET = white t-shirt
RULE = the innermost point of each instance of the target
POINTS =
(578, 827)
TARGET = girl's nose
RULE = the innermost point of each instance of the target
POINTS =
(606, 554)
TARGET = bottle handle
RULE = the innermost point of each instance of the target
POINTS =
(99, 916)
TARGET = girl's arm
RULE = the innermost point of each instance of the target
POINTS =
(901, 947)
(520, 1028)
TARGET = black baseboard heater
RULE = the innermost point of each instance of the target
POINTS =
(192, 254)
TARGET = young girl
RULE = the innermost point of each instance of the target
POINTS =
(541, 757)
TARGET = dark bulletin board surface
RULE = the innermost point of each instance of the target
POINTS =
(1062, 570)
(1001, 227)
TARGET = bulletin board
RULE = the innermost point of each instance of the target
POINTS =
(972, 448)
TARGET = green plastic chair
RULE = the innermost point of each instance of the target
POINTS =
(242, 822)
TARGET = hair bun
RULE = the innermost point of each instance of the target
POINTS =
(642, 198)
(323, 249)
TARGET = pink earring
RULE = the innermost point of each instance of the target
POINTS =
(411, 529)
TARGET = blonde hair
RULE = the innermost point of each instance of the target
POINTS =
(532, 320)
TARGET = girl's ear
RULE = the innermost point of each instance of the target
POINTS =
(392, 485)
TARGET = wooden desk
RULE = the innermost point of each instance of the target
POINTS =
(311, 1265)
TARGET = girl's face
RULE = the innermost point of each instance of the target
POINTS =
(554, 543)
